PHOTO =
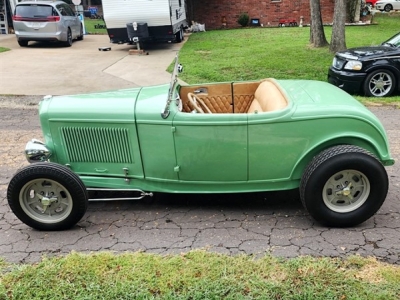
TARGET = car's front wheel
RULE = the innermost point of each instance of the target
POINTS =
(379, 83)
(47, 196)
(80, 36)
(68, 42)
(343, 186)
(388, 7)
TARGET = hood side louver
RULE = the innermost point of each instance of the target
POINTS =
(106, 145)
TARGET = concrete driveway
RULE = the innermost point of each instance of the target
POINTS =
(43, 69)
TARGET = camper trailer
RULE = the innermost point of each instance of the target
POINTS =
(130, 21)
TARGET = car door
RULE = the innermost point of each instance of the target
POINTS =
(69, 19)
(396, 5)
(75, 21)
(211, 147)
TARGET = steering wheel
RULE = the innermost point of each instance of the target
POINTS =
(197, 103)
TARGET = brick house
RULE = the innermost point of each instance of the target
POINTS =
(215, 12)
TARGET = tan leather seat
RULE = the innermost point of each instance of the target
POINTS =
(267, 98)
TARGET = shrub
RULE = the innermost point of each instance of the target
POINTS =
(243, 19)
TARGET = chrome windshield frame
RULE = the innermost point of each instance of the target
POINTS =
(172, 86)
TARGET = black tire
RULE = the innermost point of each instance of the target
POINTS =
(68, 42)
(343, 186)
(23, 43)
(179, 36)
(388, 7)
(62, 189)
(80, 36)
(379, 83)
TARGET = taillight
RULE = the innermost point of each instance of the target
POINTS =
(53, 18)
(47, 19)
(17, 18)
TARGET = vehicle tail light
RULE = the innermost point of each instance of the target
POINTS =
(48, 19)
(53, 18)
(17, 18)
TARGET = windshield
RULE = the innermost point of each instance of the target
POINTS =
(174, 80)
(394, 41)
(174, 77)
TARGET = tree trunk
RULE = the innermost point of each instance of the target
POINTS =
(317, 34)
(338, 40)
(357, 12)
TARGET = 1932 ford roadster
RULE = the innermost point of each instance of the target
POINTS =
(227, 137)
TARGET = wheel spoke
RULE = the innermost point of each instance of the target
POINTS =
(387, 82)
(374, 81)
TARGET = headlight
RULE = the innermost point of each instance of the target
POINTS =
(36, 151)
(354, 65)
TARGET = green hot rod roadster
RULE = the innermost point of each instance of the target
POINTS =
(230, 137)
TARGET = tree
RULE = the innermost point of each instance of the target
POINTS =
(317, 34)
(338, 39)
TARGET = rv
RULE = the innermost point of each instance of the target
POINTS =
(132, 21)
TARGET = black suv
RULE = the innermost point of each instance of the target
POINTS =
(373, 71)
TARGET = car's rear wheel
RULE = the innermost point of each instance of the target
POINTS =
(388, 7)
(47, 196)
(343, 186)
(68, 42)
(379, 83)
(23, 43)
(80, 36)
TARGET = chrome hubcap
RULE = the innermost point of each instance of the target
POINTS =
(45, 201)
(380, 84)
(346, 191)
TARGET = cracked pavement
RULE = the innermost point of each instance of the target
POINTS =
(255, 224)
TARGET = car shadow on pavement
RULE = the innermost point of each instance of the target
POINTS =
(202, 207)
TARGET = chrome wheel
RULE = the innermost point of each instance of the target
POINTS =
(380, 83)
(45, 201)
(346, 191)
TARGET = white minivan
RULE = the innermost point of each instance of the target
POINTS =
(46, 21)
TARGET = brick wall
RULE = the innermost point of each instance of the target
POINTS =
(212, 12)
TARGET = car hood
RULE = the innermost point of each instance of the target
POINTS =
(369, 52)
(119, 104)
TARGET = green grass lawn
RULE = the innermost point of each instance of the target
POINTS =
(282, 53)
(199, 275)
(2, 49)
(92, 26)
